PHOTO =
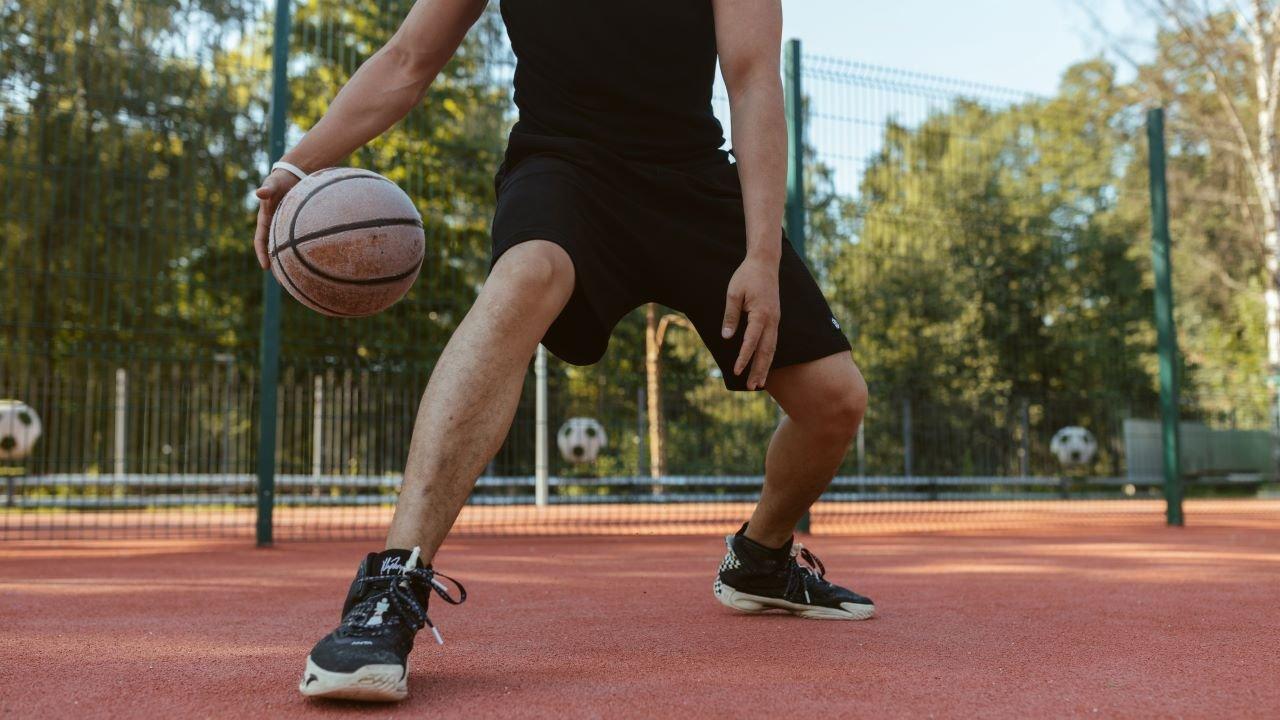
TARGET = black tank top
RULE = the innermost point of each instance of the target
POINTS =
(632, 76)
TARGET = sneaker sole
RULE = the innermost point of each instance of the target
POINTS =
(371, 683)
(755, 604)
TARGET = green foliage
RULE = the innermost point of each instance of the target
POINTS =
(1216, 223)
(132, 155)
(990, 261)
(126, 151)
(988, 267)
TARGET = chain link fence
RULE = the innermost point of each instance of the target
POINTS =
(987, 251)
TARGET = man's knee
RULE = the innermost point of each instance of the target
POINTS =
(847, 407)
(836, 404)
(536, 269)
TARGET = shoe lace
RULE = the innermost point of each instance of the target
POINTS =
(800, 576)
(403, 589)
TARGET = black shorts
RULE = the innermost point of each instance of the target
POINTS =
(640, 233)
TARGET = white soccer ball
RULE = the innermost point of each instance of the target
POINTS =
(19, 429)
(1073, 446)
(581, 439)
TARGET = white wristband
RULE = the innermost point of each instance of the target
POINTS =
(290, 168)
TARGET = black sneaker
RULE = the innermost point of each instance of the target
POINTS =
(754, 578)
(367, 657)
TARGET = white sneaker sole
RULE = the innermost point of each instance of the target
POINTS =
(371, 683)
(748, 603)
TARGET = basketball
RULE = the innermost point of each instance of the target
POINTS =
(346, 242)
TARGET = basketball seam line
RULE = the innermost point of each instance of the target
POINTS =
(304, 296)
(334, 230)
(293, 224)
(345, 281)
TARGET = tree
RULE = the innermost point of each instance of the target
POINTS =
(654, 337)
(1217, 68)
(137, 131)
(124, 142)
(988, 266)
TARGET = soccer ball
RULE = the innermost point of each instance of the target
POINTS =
(1073, 446)
(19, 429)
(581, 439)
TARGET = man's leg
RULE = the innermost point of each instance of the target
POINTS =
(824, 401)
(465, 414)
(472, 396)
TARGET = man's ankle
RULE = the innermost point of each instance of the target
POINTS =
(769, 540)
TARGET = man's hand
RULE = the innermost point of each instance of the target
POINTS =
(274, 188)
(754, 290)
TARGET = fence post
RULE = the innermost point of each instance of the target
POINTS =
(861, 444)
(794, 219)
(641, 422)
(1024, 421)
(908, 452)
(119, 461)
(317, 426)
(269, 360)
(1167, 338)
(541, 480)
(227, 362)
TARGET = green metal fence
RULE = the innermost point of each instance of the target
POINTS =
(988, 253)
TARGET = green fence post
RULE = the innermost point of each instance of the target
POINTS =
(794, 219)
(269, 359)
(1167, 338)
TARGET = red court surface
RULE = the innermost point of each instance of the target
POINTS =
(1134, 620)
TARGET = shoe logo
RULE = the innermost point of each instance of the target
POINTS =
(376, 619)
(310, 679)
(390, 565)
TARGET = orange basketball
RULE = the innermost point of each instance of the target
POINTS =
(346, 242)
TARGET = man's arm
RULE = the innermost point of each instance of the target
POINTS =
(380, 93)
(749, 39)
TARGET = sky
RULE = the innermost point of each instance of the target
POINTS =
(1018, 44)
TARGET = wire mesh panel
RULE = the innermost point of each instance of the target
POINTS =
(986, 251)
(131, 136)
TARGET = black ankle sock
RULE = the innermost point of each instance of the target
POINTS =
(778, 551)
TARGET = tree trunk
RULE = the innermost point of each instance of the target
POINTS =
(1272, 243)
(653, 384)
(1266, 75)
(1272, 295)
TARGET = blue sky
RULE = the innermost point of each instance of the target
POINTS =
(1019, 44)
